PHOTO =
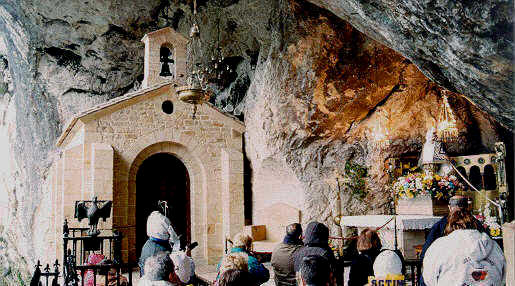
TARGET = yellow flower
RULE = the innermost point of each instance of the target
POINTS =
(438, 178)
(439, 195)
(495, 232)
(410, 195)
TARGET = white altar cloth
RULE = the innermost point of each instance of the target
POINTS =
(404, 222)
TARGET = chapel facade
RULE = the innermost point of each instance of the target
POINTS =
(143, 147)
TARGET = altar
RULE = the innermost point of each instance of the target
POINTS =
(410, 229)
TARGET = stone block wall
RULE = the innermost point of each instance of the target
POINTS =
(82, 171)
(273, 182)
(116, 139)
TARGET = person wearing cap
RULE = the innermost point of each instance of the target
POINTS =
(387, 263)
(437, 231)
(161, 237)
(282, 256)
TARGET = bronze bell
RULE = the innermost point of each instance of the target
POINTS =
(165, 60)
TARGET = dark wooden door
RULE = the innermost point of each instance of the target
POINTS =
(163, 177)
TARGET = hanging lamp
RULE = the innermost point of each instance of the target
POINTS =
(195, 91)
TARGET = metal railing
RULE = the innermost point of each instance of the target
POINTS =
(77, 246)
(108, 273)
(415, 270)
(46, 275)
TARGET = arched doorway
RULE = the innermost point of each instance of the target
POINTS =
(163, 176)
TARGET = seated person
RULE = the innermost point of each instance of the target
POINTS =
(158, 269)
(93, 259)
(237, 260)
(282, 256)
(235, 277)
(314, 271)
(160, 237)
(112, 276)
(242, 243)
(184, 268)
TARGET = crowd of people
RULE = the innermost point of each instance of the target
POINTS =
(458, 251)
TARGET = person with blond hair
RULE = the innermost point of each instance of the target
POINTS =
(369, 246)
(464, 256)
(242, 243)
(237, 260)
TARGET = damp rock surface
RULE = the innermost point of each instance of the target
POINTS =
(465, 46)
(310, 80)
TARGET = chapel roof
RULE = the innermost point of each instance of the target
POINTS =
(124, 98)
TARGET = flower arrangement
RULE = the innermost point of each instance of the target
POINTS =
(420, 184)
(490, 223)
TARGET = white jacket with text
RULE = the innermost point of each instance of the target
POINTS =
(464, 257)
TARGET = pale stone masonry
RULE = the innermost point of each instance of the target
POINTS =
(103, 148)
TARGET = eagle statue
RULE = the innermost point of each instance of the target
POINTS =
(92, 211)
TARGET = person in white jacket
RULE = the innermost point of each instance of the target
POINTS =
(464, 256)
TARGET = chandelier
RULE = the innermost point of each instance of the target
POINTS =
(446, 128)
(195, 91)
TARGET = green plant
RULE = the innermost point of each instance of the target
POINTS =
(20, 279)
(355, 175)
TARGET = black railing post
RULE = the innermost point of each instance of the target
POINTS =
(117, 247)
(66, 233)
(56, 271)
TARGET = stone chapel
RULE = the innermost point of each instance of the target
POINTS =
(143, 147)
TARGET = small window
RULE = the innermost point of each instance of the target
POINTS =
(167, 107)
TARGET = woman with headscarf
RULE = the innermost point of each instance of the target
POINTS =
(161, 237)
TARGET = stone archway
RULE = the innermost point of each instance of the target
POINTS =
(163, 177)
(196, 178)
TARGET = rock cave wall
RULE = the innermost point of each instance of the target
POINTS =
(308, 85)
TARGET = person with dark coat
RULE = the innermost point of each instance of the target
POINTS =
(369, 246)
(314, 271)
(282, 256)
(316, 242)
(437, 231)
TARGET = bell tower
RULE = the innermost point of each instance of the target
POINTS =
(165, 57)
